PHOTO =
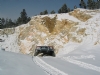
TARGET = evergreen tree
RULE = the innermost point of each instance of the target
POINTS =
(28, 19)
(82, 4)
(52, 12)
(23, 17)
(3, 21)
(64, 9)
(45, 12)
(15, 23)
(0, 24)
(69, 10)
(59, 11)
(89, 4)
(6, 23)
(19, 21)
(11, 23)
(98, 4)
(41, 13)
(94, 6)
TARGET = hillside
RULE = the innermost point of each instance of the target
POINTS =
(79, 26)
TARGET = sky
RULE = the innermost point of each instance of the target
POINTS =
(12, 8)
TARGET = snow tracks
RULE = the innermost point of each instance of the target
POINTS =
(82, 64)
(50, 70)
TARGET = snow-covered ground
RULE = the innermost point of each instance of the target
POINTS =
(18, 64)
(74, 59)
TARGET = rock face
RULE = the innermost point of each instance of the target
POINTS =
(54, 30)
(45, 30)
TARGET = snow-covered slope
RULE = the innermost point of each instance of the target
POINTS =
(18, 64)
(78, 26)
(74, 60)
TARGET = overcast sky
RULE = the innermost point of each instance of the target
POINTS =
(12, 8)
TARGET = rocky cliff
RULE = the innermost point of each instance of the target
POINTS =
(54, 30)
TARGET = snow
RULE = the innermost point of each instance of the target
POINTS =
(10, 43)
(60, 17)
(73, 59)
(82, 64)
(49, 15)
(72, 62)
(48, 68)
(67, 16)
(43, 34)
(18, 64)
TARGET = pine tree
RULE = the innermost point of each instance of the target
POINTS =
(59, 11)
(45, 12)
(3, 21)
(19, 21)
(28, 19)
(6, 23)
(0, 24)
(23, 17)
(11, 23)
(89, 4)
(41, 13)
(64, 9)
(52, 12)
(82, 4)
(98, 4)
(94, 6)
(69, 10)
